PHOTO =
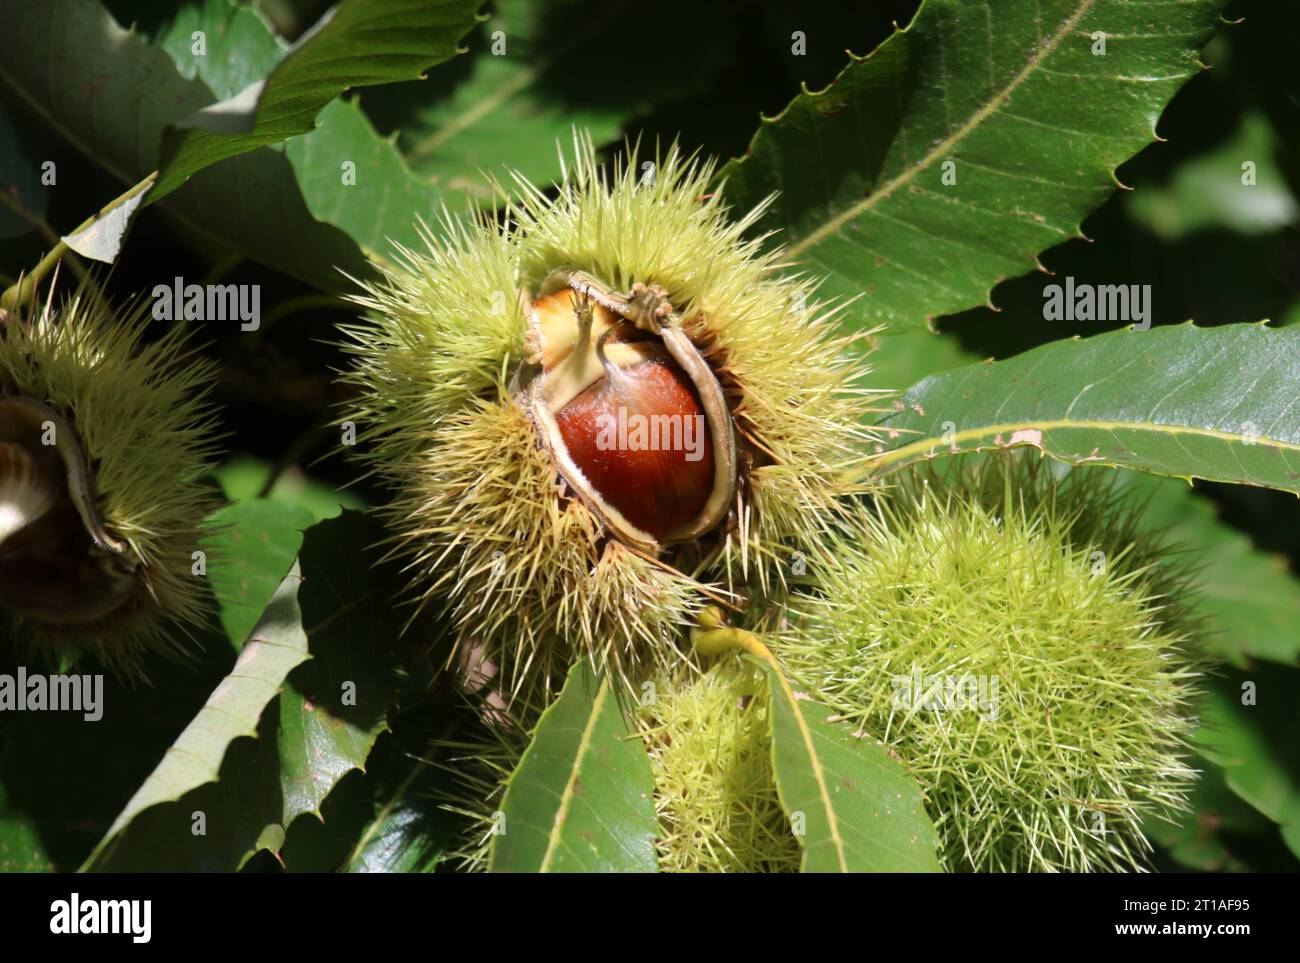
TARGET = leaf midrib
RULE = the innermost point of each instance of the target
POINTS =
(567, 796)
(903, 453)
(48, 117)
(832, 822)
(100, 160)
(1043, 51)
(517, 84)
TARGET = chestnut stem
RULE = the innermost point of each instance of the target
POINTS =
(612, 371)
(583, 311)
(712, 636)
(18, 294)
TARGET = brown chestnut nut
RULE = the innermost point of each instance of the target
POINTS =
(633, 415)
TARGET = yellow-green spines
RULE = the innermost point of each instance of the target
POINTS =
(445, 327)
(791, 378)
(481, 512)
(138, 412)
(522, 568)
(707, 736)
(710, 749)
(1020, 644)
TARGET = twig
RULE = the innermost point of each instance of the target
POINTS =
(23, 290)
(44, 230)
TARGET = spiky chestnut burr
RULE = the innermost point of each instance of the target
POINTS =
(709, 741)
(1026, 649)
(103, 438)
(494, 383)
(706, 732)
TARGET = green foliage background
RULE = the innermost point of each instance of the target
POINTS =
(1041, 129)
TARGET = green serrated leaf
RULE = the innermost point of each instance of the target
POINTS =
(349, 177)
(313, 721)
(508, 105)
(64, 779)
(1196, 839)
(258, 538)
(243, 478)
(357, 43)
(335, 706)
(277, 644)
(387, 819)
(858, 809)
(505, 112)
(1214, 403)
(381, 201)
(370, 828)
(1251, 598)
(252, 200)
(580, 800)
(110, 94)
(255, 545)
(1251, 728)
(966, 144)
